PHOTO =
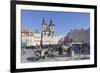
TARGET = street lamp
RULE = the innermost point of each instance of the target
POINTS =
(41, 42)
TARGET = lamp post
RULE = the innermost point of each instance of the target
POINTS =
(41, 42)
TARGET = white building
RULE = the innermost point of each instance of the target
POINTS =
(26, 37)
(47, 35)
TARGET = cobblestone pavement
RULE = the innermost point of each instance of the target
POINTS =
(29, 54)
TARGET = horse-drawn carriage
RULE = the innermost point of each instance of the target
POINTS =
(51, 52)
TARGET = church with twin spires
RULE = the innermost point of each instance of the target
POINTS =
(47, 34)
(47, 29)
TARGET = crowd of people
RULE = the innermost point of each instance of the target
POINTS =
(41, 52)
(52, 51)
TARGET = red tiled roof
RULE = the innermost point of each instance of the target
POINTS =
(26, 31)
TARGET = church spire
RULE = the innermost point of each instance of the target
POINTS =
(43, 22)
(51, 23)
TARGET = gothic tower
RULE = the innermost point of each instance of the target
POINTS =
(51, 26)
(43, 27)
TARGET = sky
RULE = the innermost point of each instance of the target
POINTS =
(63, 21)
